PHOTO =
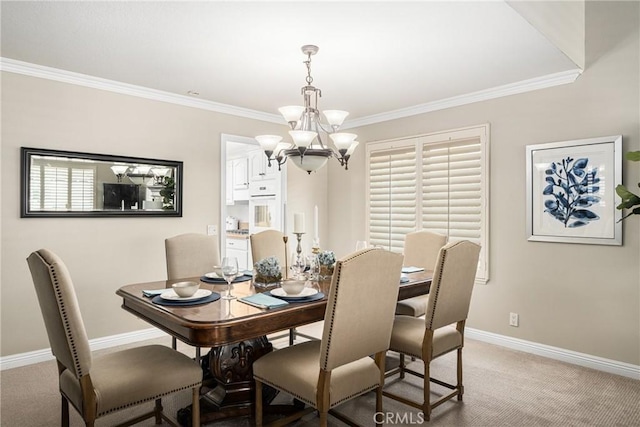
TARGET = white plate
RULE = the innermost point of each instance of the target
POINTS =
(170, 295)
(306, 292)
(212, 276)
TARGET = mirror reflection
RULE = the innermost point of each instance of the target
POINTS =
(57, 183)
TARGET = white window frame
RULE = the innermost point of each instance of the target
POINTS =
(480, 132)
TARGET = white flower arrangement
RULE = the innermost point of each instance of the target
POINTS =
(268, 270)
(326, 258)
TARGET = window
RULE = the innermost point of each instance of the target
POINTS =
(436, 182)
(56, 188)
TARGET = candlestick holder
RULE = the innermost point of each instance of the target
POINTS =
(315, 247)
(299, 247)
(285, 239)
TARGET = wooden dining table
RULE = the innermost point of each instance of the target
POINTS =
(236, 333)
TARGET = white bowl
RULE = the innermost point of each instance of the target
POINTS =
(185, 289)
(293, 287)
(218, 270)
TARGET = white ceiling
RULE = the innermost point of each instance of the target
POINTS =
(374, 58)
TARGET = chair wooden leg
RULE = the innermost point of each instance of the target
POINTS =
(258, 403)
(195, 408)
(402, 365)
(64, 421)
(324, 415)
(157, 412)
(426, 406)
(460, 387)
(379, 358)
(174, 343)
(292, 336)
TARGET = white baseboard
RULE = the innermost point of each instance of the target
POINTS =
(556, 353)
(31, 357)
(573, 357)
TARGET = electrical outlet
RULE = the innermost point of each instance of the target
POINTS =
(513, 319)
(212, 230)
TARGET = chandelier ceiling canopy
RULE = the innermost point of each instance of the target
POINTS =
(310, 150)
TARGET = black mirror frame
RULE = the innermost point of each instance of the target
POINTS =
(25, 166)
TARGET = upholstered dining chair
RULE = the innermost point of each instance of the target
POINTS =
(269, 243)
(420, 250)
(97, 386)
(357, 324)
(442, 330)
(191, 255)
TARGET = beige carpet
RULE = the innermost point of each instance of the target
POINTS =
(502, 388)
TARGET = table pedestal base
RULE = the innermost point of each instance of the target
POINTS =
(228, 387)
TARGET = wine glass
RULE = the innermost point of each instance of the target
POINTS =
(229, 272)
(361, 244)
(298, 265)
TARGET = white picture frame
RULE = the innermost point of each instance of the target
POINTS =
(571, 195)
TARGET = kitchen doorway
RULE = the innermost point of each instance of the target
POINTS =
(245, 179)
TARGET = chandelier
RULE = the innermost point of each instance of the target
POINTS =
(310, 150)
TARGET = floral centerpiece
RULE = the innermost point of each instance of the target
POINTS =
(267, 272)
(327, 260)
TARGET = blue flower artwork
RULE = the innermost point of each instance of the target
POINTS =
(571, 188)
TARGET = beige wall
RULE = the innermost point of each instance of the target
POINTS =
(579, 297)
(101, 253)
(584, 298)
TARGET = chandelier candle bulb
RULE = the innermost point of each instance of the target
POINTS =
(335, 117)
(298, 223)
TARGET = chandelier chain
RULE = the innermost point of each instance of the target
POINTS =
(309, 79)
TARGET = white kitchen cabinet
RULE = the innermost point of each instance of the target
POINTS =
(241, 179)
(239, 248)
(229, 183)
(259, 166)
(241, 173)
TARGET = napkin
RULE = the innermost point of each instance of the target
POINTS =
(263, 301)
(412, 269)
(153, 292)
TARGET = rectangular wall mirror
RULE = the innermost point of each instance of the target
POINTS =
(70, 184)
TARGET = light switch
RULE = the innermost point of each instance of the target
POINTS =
(212, 230)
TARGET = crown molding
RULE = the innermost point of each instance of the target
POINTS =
(49, 73)
(543, 82)
(40, 71)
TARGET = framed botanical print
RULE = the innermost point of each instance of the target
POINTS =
(571, 195)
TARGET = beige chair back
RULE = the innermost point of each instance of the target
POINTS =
(360, 308)
(421, 248)
(60, 311)
(191, 255)
(270, 243)
(453, 279)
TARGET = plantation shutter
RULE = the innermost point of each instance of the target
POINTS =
(452, 190)
(35, 190)
(392, 197)
(436, 182)
(82, 189)
(56, 188)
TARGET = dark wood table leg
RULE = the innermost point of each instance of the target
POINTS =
(228, 387)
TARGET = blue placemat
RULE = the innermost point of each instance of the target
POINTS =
(161, 301)
(310, 298)
(220, 280)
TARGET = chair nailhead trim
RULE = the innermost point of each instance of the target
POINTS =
(335, 299)
(148, 399)
(65, 318)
